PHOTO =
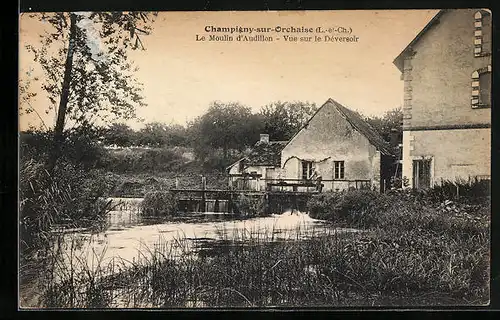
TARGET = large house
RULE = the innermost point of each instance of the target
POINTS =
(447, 87)
(336, 143)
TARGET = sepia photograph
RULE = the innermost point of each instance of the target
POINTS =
(254, 159)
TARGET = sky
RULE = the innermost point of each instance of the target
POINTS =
(182, 76)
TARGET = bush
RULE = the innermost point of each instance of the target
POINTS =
(159, 203)
(472, 191)
(321, 205)
(250, 206)
(78, 148)
(406, 208)
(140, 160)
(340, 207)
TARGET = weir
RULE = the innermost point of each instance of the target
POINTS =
(274, 196)
(219, 201)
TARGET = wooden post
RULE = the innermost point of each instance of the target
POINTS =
(203, 200)
(230, 203)
(266, 202)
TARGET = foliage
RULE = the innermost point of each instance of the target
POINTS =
(249, 268)
(399, 183)
(118, 134)
(405, 209)
(250, 206)
(71, 196)
(338, 206)
(320, 206)
(217, 161)
(392, 119)
(225, 126)
(156, 134)
(101, 77)
(281, 120)
(417, 251)
(159, 203)
(140, 160)
(79, 147)
(469, 191)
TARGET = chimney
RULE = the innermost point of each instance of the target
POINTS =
(264, 138)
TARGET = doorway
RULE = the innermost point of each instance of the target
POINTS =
(421, 174)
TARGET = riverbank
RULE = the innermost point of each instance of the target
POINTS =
(414, 250)
(300, 270)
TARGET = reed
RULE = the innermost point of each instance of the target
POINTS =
(302, 267)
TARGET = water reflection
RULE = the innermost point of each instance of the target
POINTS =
(129, 237)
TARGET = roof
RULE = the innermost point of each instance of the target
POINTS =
(364, 128)
(399, 60)
(358, 124)
(264, 154)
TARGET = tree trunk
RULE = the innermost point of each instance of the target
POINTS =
(63, 103)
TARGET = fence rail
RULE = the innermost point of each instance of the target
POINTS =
(254, 183)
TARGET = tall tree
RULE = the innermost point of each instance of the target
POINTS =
(119, 134)
(283, 119)
(224, 126)
(391, 119)
(87, 73)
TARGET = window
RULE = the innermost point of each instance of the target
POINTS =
(421, 174)
(339, 169)
(307, 170)
(485, 88)
(481, 88)
(482, 33)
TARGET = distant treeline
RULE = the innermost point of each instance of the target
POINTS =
(222, 133)
(232, 126)
(224, 125)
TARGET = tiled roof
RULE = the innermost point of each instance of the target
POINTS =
(266, 154)
(358, 123)
(364, 128)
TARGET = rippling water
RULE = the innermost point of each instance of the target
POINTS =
(129, 237)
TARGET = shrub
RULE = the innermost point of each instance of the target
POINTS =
(354, 201)
(340, 207)
(250, 206)
(78, 148)
(320, 206)
(140, 160)
(159, 203)
(471, 191)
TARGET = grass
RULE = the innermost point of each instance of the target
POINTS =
(414, 250)
(305, 267)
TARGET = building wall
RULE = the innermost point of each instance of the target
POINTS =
(438, 75)
(256, 184)
(437, 97)
(464, 153)
(328, 138)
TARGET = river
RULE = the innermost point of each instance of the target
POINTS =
(128, 237)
